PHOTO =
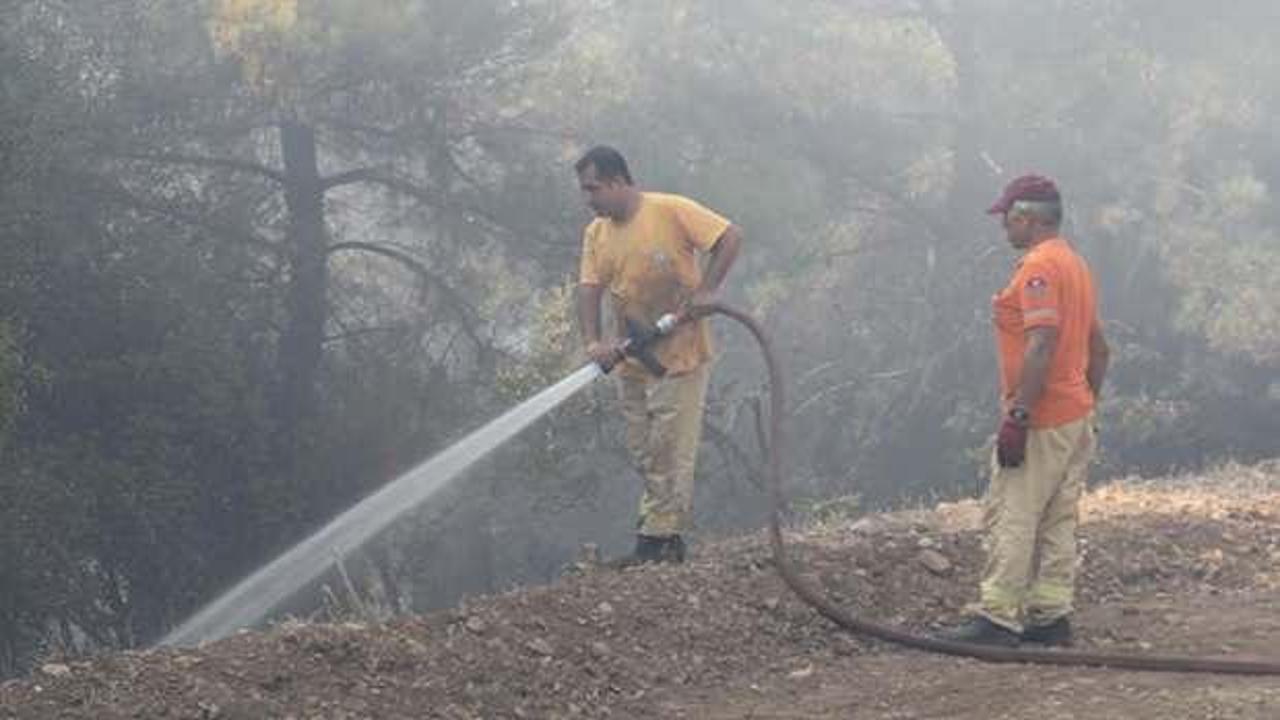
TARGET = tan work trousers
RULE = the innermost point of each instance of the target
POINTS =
(664, 427)
(1030, 518)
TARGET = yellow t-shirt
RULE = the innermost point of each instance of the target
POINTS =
(650, 266)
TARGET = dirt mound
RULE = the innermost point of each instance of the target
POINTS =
(722, 633)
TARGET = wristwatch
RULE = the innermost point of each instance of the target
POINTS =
(1020, 415)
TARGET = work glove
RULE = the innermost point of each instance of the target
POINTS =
(1011, 441)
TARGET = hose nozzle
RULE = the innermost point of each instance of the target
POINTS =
(641, 339)
(666, 323)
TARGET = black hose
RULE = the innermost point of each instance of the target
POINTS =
(815, 597)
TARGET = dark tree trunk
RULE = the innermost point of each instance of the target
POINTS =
(301, 344)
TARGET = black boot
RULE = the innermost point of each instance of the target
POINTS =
(653, 549)
(1054, 634)
(981, 631)
(672, 550)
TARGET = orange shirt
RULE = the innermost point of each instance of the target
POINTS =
(650, 266)
(1051, 287)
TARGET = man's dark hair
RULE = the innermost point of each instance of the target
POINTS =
(608, 162)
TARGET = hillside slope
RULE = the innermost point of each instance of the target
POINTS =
(1183, 565)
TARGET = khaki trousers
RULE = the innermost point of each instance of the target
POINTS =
(1030, 518)
(664, 428)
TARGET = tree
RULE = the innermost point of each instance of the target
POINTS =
(178, 211)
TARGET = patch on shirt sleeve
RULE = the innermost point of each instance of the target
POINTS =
(1037, 286)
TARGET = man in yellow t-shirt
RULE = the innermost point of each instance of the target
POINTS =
(645, 248)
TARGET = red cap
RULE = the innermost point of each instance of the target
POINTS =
(1028, 187)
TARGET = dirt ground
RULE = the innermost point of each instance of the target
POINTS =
(1189, 566)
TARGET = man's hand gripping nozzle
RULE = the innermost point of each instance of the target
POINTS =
(640, 342)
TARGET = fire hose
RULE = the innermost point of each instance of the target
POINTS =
(816, 598)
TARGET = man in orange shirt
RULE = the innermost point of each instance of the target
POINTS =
(1053, 358)
(645, 248)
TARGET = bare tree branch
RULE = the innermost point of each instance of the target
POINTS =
(350, 177)
(731, 449)
(476, 127)
(361, 332)
(469, 316)
(379, 176)
(119, 196)
(376, 176)
(244, 166)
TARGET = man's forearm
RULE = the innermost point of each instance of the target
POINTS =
(1097, 374)
(1099, 359)
(589, 312)
(1041, 343)
(723, 256)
